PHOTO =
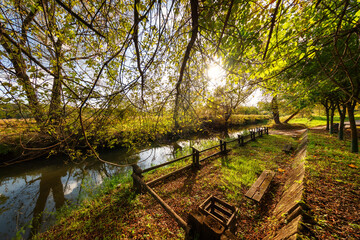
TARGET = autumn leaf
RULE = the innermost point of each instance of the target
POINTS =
(352, 166)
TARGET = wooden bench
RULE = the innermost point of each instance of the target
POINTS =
(261, 185)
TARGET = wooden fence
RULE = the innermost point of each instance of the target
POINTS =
(140, 185)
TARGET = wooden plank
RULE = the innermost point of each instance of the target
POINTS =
(223, 211)
(250, 193)
(219, 217)
(152, 182)
(207, 149)
(205, 158)
(264, 186)
(166, 163)
(230, 141)
(260, 186)
(227, 205)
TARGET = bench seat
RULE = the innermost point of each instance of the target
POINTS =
(261, 185)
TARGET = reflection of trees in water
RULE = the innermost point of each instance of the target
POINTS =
(50, 180)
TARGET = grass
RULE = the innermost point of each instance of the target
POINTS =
(332, 187)
(316, 120)
(116, 213)
(244, 165)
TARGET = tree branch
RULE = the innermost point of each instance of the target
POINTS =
(272, 27)
(72, 13)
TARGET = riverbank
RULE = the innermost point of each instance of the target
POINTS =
(20, 142)
(121, 214)
(40, 187)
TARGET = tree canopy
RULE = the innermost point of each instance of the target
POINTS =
(80, 67)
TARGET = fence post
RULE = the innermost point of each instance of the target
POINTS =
(240, 140)
(253, 135)
(221, 146)
(261, 132)
(224, 146)
(136, 172)
(267, 130)
(196, 158)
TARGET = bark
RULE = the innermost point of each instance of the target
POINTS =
(195, 26)
(55, 111)
(332, 112)
(275, 110)
(342, 114)
(325, 103)
(136, 44)
(23, 79)
(327, 110)
(354, 135)
(291, 117)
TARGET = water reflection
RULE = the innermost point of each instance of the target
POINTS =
(48, 181)
(31, 192)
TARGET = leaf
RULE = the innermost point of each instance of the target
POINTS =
(352, 166)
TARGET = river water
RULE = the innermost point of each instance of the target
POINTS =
(38, 188)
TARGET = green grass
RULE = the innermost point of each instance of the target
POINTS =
(326, 152)
(317, 120)
(244, 164)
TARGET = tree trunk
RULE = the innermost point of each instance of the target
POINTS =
(20, 66)
(354, 136)
(327, 118)
(342, 114)
(332, 112)
(194, 32)
(24, 81)
(292, 115)
(55, 102)
(275, 110)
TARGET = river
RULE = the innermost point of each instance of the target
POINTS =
(38, 188)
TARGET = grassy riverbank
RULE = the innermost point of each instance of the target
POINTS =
(120, 214)
(23, 138)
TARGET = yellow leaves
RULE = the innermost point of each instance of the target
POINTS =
(352, 166)
(281, 170)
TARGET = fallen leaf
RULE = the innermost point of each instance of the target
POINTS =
(281, 170)
(352, 166)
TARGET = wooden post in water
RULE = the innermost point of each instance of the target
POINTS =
(137, 172)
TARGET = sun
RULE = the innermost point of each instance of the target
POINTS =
(216, 74)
